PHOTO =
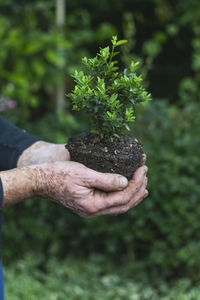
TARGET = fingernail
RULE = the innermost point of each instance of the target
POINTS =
(123, 182)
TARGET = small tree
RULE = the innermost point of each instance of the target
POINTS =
(106, 94)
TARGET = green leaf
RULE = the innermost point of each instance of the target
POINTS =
(121, 42)
(115, 53)
(115, 68)
(85, 60)
(114, 40)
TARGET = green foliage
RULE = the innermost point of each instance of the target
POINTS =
(162, 233)
(35, 54)
(190, 86)
(31, 66)
(92, 279)
(172, 211)
(107, 95)
(29, 59)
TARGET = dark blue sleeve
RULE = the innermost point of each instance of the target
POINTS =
(13, 141)
(1, 221)
(1, 193)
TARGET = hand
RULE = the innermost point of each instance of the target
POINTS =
(89, 193)
(42, 152)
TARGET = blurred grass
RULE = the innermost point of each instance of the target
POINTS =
(94, 278)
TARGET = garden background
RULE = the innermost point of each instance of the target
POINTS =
(151, 252)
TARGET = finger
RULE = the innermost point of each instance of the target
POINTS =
(67, 154)
(107, 182)
(94, 209)
(138, 197)
(146, 193)
(142, 193)
(116, 210)
(143, 160)
(113, 211)
(104, 201)
(143, 169)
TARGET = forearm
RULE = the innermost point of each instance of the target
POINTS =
(18, 185)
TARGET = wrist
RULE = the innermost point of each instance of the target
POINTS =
(18, 185)
(39, 179)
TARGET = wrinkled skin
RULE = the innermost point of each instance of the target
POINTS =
(86, 192)
(89, 193)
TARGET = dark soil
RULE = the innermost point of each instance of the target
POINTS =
(121, 157)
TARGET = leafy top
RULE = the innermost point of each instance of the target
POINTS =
(106, 94)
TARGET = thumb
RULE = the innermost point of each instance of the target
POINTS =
(108, 182)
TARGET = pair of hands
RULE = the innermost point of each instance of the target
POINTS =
(86, 192)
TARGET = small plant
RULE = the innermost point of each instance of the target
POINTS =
(106, 94)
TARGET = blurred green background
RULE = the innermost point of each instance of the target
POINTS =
(151, 252)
